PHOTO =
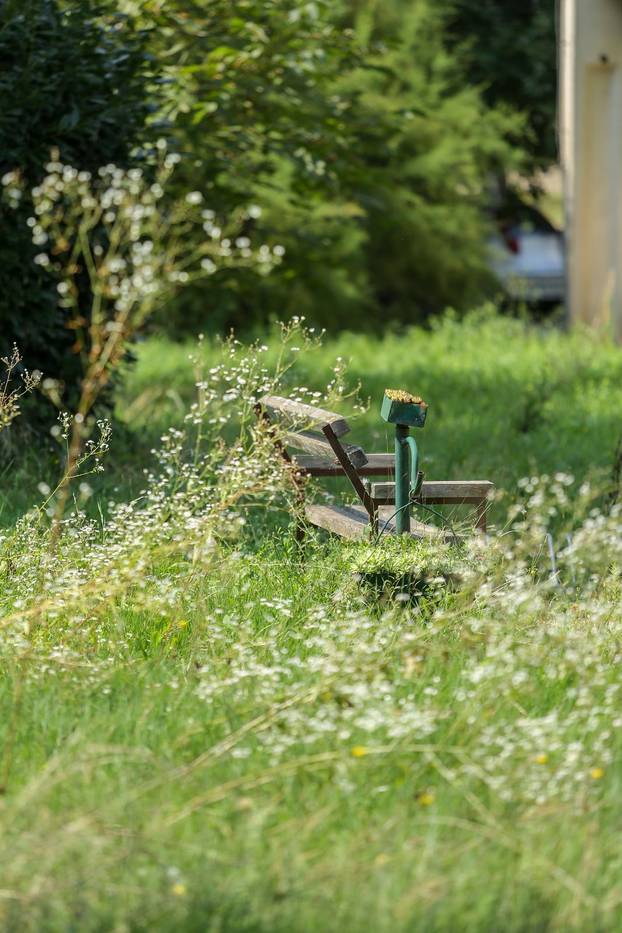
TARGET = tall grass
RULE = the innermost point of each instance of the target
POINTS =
(205, 726)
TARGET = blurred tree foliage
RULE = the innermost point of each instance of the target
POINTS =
(72, 78)
(509, 50)
(349, 129)
(353, 129)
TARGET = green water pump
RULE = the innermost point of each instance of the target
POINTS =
(405, 411)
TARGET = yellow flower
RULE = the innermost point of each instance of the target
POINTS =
(542, 758)
(179, 889)
(426, 798)
(400, 395)
(597, 773)
(359, 751)
(381, 859)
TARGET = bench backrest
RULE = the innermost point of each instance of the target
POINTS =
(299, 417)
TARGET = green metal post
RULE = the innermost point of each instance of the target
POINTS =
(404, 411)
(402, 479)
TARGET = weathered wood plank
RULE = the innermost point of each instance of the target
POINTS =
(353, 522)
(318, 445)
(305, 415)
(455, 489)
(439, 491)
(383, 464)
(417, 529)
(377, 465)
(339, 519)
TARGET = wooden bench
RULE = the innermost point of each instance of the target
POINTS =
(317, 433)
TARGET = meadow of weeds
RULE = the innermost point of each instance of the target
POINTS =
(206, 726)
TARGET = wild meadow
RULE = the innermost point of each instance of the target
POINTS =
(206, 725)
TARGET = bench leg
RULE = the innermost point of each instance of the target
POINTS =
(300, 529)
(373, 522)
(299, 511)
(480, 512)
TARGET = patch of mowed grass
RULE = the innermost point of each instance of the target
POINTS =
(205, 725)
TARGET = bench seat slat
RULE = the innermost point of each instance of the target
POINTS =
(305, 415)
(377, 465)
(352, 522)
(439, 491)
(318, 445)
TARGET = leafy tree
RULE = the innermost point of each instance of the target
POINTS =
(343, 133)
(429, 147)
(510, 51)
(349, 125)
(251, 97)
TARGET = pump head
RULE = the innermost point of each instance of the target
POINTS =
(399, 407)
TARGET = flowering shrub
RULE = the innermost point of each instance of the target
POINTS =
(9, 394)
(114, 228)
(118, 249)
(115, 231)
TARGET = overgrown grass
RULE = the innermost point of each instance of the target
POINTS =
(506, 400)
(207, 727)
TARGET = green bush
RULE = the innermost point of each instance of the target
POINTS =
(72, 79)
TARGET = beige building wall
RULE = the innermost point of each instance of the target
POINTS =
(591, 153)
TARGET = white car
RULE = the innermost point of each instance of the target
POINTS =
(528, 259)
